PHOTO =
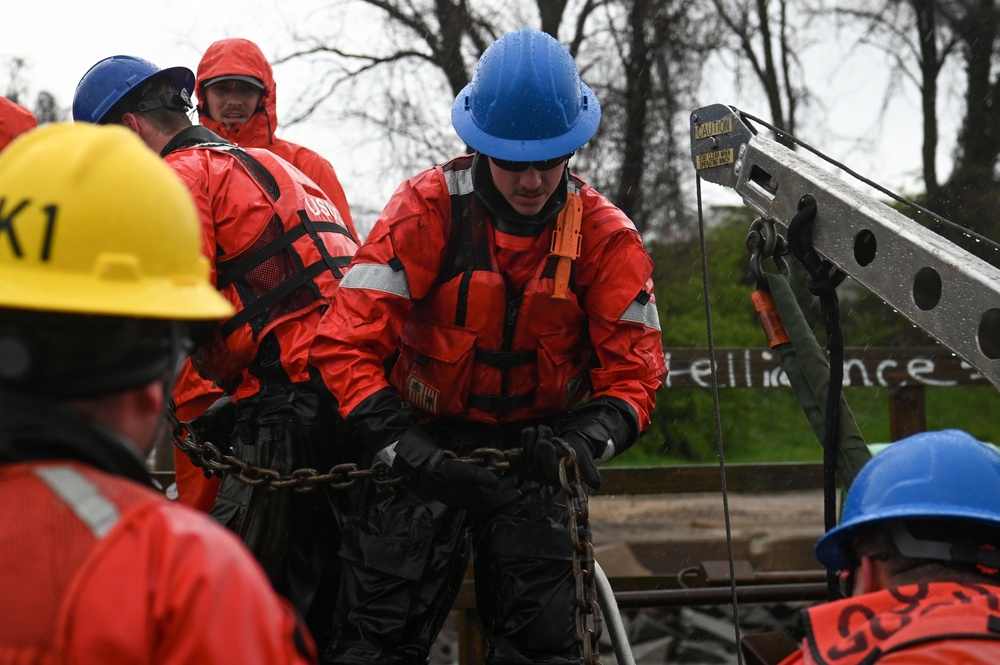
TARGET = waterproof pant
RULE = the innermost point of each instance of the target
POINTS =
(294, 535)
(403, 561)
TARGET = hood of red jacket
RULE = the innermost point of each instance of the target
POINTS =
(243, 57)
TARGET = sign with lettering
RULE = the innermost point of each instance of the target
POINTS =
(863, 367)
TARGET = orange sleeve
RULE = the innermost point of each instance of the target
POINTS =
(177, 584)
(360, 330)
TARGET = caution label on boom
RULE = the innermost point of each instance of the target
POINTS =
(709, 160)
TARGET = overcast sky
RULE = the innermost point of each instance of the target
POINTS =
(60, 39)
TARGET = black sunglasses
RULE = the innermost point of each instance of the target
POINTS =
(517, 167)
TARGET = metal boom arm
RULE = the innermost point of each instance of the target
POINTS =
(949, 293)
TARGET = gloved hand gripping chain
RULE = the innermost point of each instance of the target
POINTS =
(209, 457)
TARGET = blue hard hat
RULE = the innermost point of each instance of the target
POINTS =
(112, 78)
(946, 474)
(526, 101)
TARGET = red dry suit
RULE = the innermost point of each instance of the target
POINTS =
(278, 249)
(240, 215)
(241, 56)
(97, 568)
(14, 120)
(192, 394)
(461, 354)
(461, 305)
(938, 622)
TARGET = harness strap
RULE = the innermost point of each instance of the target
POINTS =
(501, 403)
(503, 359)
(232, 269)
(270, 298)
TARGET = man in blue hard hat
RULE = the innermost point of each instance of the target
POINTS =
(499, 302)
(278, 247)
(917, 551)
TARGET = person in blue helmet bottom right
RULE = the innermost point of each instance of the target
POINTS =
(918, 552)
(499, 302)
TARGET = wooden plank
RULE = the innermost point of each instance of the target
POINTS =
(907, 413)
(748, 477)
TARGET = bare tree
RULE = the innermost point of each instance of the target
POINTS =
(921, 38)
(647, 83)
(638, 55)
(917, 45)
(17, 87)
(760, 34)
(970, 196)
(46, 107)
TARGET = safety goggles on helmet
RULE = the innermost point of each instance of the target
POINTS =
(540, 165)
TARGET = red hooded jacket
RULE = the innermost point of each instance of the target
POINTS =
(192, 394)
(400, 296)
(241, 56)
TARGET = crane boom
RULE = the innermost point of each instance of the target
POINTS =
(943, 289)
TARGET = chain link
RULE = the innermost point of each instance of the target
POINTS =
(588, 611)
(209, 457)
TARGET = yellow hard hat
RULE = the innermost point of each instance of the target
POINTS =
(93, 222)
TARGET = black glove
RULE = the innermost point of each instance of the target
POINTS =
(430, 474)
(543, 456)
(216, 426)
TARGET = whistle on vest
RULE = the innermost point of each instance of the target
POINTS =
(566, 241)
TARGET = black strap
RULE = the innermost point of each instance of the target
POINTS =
(256, 170)
(823, 283)
(314, 228)
(501, 403)
(503, 359)
(232, 269)
(277, 293)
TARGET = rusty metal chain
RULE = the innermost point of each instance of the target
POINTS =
(588, 610)
(208, 456)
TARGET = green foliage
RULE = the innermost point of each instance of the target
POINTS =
(768, 425)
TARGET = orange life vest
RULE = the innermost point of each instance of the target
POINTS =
(289, 268)
(477, 349)
(916, 623)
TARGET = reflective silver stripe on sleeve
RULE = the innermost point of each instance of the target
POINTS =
(644, 314)
(82, 496)
(376, 277)
(459, 182)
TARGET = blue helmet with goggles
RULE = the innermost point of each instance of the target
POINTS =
(526, 102)
(108, 81)
(946, 475)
